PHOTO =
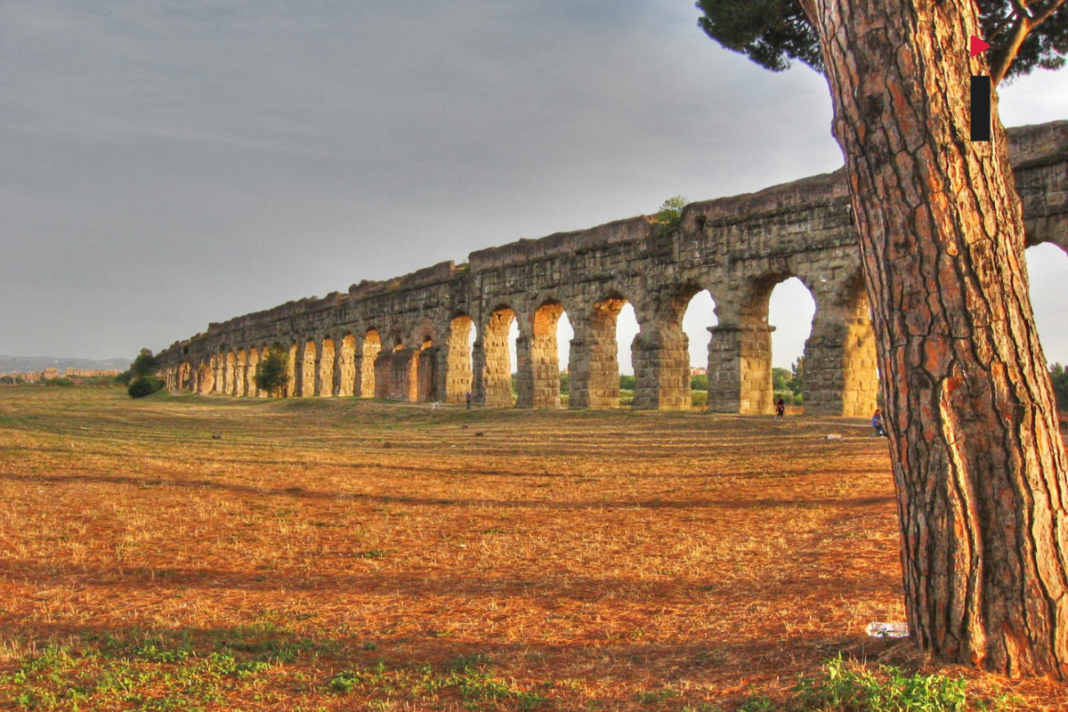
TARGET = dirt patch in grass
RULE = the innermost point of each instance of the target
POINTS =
(217, 553)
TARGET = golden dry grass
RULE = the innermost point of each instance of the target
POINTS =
(346, 554)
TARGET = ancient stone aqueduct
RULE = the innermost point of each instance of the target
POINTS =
(409, 338)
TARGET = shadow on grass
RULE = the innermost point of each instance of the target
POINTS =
(799, 590)
(302, 493)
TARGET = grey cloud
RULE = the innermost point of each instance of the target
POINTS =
(212, 158)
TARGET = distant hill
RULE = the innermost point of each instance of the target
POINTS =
(23, 364)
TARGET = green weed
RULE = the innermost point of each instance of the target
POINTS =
(655, 697)
(465, 676)
(758, 704)
(466, 663)
(146, 673)
(887, 690)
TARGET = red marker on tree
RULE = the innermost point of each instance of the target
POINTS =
(980, 95)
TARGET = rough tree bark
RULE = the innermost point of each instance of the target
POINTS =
(977, 459)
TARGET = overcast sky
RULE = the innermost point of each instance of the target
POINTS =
(168, 164)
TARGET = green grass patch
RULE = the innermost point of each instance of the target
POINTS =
(152, 678)
(842, 688)
(467, 677)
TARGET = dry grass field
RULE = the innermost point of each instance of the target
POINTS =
(184, 553)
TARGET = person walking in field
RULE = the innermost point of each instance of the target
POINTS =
(469, 400)
(780, 408)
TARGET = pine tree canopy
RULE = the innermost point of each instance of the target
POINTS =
(1022, 34)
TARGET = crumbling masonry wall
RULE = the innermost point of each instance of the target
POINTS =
(409, 338)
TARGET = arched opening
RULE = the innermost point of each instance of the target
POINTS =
(184, 371)
(1047, 272)
(626, 330)
(218, 363)
(565, 333)
(595, 375)
(458, 376)
(291, 372)
(385, 378)
(218, 366)
(228, 373)
(423, 375)
(206, 378)
(660, 354)
(790, 310)
(498, 344)
(241, 374)
(307, 370)
(346, 364)
(513, 353)
(403, 369)
(600, 371)
(369, 351)
(860, 376)
(539, 373)
(326, 369)
(741, 352)
(698, 321)
(253, 367)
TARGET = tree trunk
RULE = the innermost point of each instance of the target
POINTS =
(978, 462)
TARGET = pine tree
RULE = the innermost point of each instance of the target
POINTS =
(978, 462)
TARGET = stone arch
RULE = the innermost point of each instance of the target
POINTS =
(1058, 240)
(346, 366)
(1047, 264)
(400, 366)
(792, 309)
(184, 374)
(538, 367)
(424, 372)
(1045, 225)
(840, 375)
(229, 367)
(219, 364)
(292, 363)
(660, 353)
(325, 381)
(497, 368)
(739, 370)
(206, 377)
(699, 320)
(860, 376)
(211, 365)
(308, 367)
(594, 363)
(253, 367)
(241, 373)
(370, 348)
(375, 351)
(459, 379)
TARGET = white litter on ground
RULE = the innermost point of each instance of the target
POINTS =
(888, 630)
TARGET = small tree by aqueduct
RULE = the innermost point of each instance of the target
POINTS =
(271, 373)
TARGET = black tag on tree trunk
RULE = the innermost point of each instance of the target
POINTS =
(980, 114)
